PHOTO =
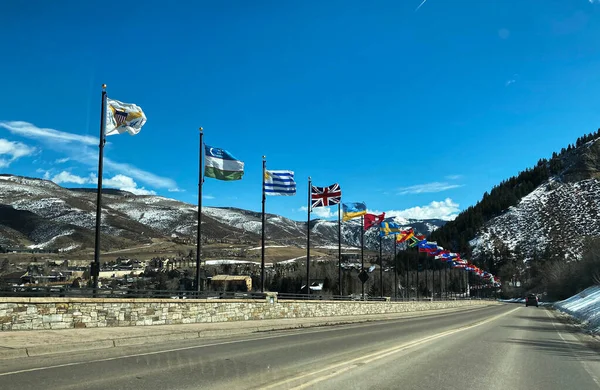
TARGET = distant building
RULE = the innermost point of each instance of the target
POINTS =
(231, 283)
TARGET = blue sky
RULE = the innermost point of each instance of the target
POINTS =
(418, 111)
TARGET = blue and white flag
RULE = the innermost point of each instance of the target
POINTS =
(280, 183)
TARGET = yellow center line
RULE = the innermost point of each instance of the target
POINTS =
(353, 363)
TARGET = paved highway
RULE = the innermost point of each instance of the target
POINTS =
(496, 347)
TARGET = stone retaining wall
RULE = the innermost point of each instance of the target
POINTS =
(61, 313)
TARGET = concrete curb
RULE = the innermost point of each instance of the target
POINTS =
(64, 348)
(13, 353)
(10, 353)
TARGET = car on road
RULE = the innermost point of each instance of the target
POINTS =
(531, 300)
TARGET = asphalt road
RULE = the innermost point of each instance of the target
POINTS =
(497, 347)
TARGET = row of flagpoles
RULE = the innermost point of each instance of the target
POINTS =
(118, 117)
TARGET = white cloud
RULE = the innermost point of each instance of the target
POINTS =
(122, 182)
(139, 174)
(427, 188)
(175, 190)
(66, 177)
(63, 142)
(446, 210)
(29, 130)
(62, 160)
(207, 197)
(321, 212)
(11, 151)
(509, 82)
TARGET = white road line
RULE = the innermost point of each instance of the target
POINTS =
(342, 367)
(583, 363)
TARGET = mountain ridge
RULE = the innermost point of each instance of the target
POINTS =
(38, 213)
(544, 212)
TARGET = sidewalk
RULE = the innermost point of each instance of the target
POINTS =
(28, 343)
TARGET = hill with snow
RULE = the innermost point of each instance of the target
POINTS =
(39, 214)
(544, 213)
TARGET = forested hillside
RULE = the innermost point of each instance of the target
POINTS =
(566, 173)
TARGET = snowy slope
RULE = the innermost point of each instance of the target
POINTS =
(40, 214)
(556, 213)
(585, 307)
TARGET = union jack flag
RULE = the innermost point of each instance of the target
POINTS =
(326, 196)
(120, 117)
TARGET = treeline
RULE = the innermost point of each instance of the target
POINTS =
(562, 279)
(455, 235)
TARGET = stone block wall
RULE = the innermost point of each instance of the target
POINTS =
(62, 313)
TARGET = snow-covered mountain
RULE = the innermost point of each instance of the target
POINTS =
(37, 213)
(557, 214)
(555, 218)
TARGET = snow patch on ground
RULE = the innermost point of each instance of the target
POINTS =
(289, 261)
(234, 218)
(344, 247)
(585, 307)
(233, 262)
(268, 246)
(69, 248)
(45, 244)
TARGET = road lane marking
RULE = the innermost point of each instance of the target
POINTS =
(583, 363)
(288, 333)
(342, 367)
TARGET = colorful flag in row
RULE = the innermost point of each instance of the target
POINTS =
(280, 183)
(123, 117)
(221, 165)
(371, 220)
(353, 210)
(325, 196)
(389, 228)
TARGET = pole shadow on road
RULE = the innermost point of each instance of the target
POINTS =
(564, 349)
(537, 319)
(533, 328)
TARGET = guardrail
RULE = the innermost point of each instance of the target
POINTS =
(69, 292)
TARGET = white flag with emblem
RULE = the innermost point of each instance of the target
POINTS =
(123, 117)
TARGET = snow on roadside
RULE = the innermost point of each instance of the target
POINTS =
(585, 307)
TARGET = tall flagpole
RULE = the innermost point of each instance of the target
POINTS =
(262, 240)
(407, 276)
(340, 248)
(362, 250)
(95, 268)
(446, 279)
(380, 267)
(395, 270)
(418, 263)
(426, 267)
(199, 228)
(308, 237)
